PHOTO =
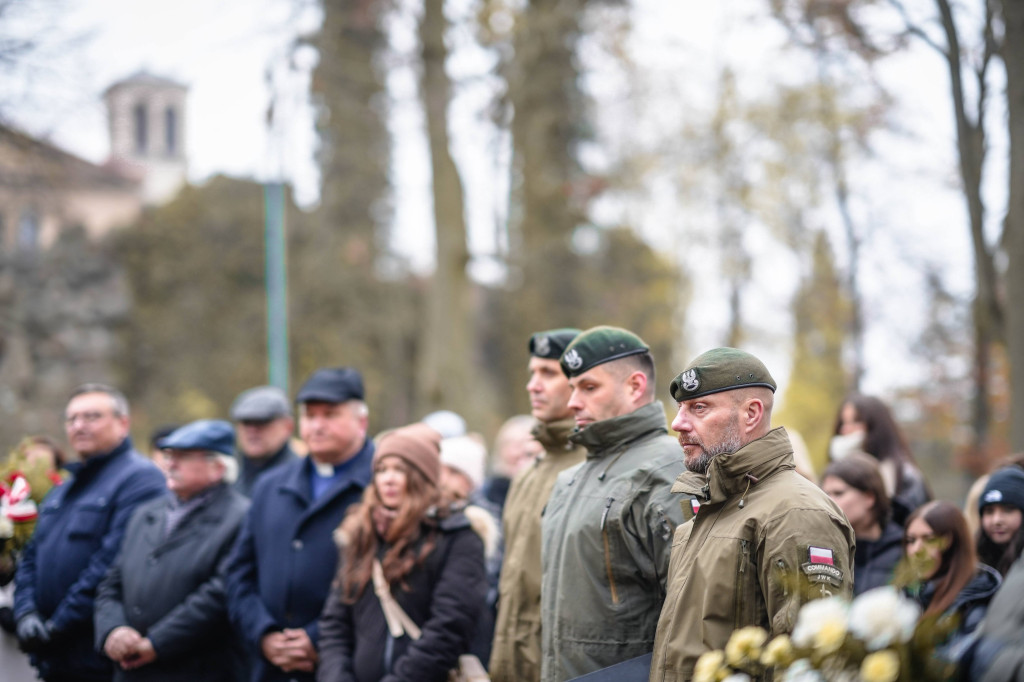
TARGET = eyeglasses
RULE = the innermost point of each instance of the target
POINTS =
(85, 417)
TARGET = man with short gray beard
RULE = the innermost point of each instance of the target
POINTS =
(764, 540)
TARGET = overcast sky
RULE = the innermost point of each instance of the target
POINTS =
(222, 50)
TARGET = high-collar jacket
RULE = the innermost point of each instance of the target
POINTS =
(516, 653)
(606, 534)
(79, 531)
(764, 541)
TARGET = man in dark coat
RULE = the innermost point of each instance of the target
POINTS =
(78, 534)
(161, 612)
(282, 566)
(263, 427)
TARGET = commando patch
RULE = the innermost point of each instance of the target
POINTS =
(823, 573)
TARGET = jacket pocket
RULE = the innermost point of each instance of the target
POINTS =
(747, 594)
(608, 551)
(87, 521)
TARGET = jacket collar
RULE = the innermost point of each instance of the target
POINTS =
(98, 462)
(358, 473)
(554, 436)
(734, 473)
(619, 432)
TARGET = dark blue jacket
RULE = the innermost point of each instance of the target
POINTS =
(282, 565)
(78, 534)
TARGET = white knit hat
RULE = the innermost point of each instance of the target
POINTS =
(467, 455)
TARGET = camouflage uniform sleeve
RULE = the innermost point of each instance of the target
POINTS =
(804, 554)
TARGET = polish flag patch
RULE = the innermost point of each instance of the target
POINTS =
(820, 555)
(695, 505)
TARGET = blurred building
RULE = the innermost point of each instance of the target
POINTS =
(44, 189)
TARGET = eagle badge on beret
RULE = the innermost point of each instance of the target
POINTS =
(573, 359)
(542, 345)
(689, 380)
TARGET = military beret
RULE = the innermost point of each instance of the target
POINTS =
(205, 434)
(552, 343)
(260, 404)
(597, 346)
(332, 385)
(720, 369)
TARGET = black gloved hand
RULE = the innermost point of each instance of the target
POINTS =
(32, 632)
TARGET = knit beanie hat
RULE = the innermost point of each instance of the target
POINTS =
(417, 444)
(1005, 486)
(466, 455)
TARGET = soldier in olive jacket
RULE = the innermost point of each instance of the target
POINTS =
(764, 539)
(608, 525)
(515, 656)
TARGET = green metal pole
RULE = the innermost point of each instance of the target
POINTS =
(277, 285)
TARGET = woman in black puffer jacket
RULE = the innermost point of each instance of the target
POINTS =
(431, 564)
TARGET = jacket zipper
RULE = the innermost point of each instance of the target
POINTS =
(607, 551)
(741, 587)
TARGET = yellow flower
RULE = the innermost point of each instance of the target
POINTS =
(710, 667)
(829, 636)
(881, 666)
(778, 653)
(745, 646)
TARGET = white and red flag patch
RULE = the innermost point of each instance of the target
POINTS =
(694, 505)
(820, 555)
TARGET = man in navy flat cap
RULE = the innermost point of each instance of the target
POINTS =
(161, 611)
(285, 559)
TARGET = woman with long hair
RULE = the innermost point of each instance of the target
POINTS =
(945, 576)
(1001, 505)
(865, 424)
(855, 484)
(411, 582)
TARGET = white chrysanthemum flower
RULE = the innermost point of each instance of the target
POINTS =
(828, 614)
(882, 616)
(802, 671)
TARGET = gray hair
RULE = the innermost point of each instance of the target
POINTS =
(119, 401)
(230, 465)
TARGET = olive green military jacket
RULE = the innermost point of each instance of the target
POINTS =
(764, 541)
(607, 532)
(515, 656)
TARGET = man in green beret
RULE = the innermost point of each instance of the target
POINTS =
(764, 540)
(607, 528)
(516, 653)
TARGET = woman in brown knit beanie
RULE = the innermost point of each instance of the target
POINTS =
(431, 566)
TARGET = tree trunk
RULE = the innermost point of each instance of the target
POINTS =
(1013, 57)
(970, 137)
(445, 364)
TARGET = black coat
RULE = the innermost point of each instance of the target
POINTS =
(445, 597)
(875, 560)
(172, 590)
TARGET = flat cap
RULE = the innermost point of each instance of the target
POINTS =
(720, 369)
(216, 435)
(552, 343)
(260, 404)
(332, 385)
(597, 346)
